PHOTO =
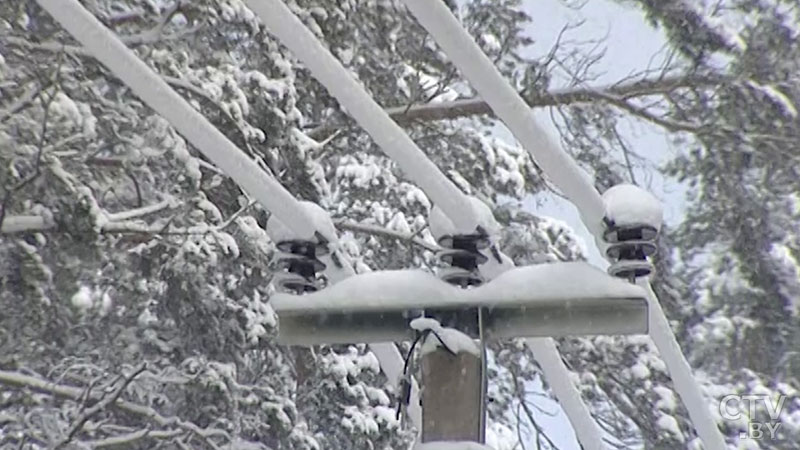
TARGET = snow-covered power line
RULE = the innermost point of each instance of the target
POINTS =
(146, 84)
(565, 173)
(282, 23)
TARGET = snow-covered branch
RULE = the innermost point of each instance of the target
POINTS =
(385, 232)
(129, 439)
(143, 211)
(19, 380)
(148, 37)
(20, 224)
(101, 405)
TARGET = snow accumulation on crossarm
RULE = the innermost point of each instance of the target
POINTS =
(397, 289)
(452, 445)
(452, 339)
(547, 282)
(627, 204)
(416, 289)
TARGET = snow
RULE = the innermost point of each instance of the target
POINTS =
(319, 220)
(777, 97)
(398, 289)
(416, 289)
(640, 371)
(441, 225)
(453, 339)
(628, 204)
(556, 281)
(451, 445)
(670, 425)
(66, 109)
(283, 24)
(82, 299)
(666, 401)
(491, 41)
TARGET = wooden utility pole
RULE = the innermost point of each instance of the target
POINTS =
(452, 398)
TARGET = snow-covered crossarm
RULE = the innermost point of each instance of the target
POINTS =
(282, 23)
(532, 301)
(567, 175)
(145, 83)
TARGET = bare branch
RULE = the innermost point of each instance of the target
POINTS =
(614, 94)
(669, 124)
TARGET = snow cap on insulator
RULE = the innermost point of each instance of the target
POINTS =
(627, 204)
(322, 224)
(441, 225)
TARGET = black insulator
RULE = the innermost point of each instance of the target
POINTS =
(299, 261)
(630, 246)
(464, 257)
(631, 250)
(302, 247)
(625, 233)
(479, 241)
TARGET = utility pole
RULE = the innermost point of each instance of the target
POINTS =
(451, 399)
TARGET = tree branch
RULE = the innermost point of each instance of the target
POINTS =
(617, 92)
(147, 37)
(30, 94)
(385, 232)
(73, 393)
(143, 211)
(128, 439)
(100, 405)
